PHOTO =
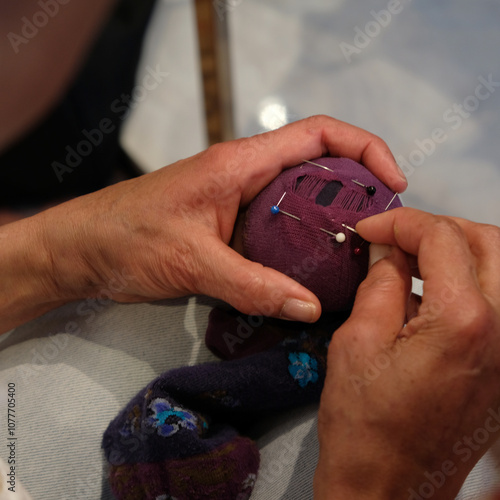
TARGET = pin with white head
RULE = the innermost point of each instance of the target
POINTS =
(339, 237)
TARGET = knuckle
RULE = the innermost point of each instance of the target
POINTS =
(216, 156)
(319, 120)
(377, 141)
(252, 285)
(491, 234)
(213, 153)
(383, 281)
(448, 228)
(319, 117)
(253, 295)
(446, 223)
(476, 320)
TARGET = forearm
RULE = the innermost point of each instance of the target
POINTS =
(42, 265)
(26, 287)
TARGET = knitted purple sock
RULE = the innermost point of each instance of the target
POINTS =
(180, 437)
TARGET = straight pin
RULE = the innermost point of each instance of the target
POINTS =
(358, 183)
(339, 237)
(281, 199)
(318, 165)
(290, 215)
(350, 228)
(371, 190)
(277, 210)
(390, 203)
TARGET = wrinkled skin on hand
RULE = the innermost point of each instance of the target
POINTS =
(402, 404)
(167, 232)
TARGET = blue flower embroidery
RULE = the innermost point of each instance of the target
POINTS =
(168, 419)
(303, 368)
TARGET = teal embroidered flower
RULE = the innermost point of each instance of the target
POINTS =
(303, 368)
(169, 419)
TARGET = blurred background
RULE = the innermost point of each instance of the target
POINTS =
(425, 76)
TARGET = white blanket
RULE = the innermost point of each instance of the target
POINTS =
(69, 387)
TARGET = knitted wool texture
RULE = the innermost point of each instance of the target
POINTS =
(322, 199)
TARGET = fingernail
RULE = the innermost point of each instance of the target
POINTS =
(401, 173)
(379, 252)
(298, 310)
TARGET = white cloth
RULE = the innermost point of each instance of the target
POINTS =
(70, 386)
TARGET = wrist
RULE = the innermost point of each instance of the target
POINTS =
(40, 268)
(359, 465)
(358, 474)
(27, 289)
(345, 478)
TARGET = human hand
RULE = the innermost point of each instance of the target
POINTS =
(167, 232)
(407, 412)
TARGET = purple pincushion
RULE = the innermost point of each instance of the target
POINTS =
(324, 202)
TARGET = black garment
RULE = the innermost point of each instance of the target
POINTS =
(75, 149)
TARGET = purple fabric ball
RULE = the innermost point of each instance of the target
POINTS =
(326, 200)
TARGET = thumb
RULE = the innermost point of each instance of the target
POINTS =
(257, 290)
(381, 301)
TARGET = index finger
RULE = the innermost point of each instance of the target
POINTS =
(484, 242)
(444, 256)
(310, 138)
